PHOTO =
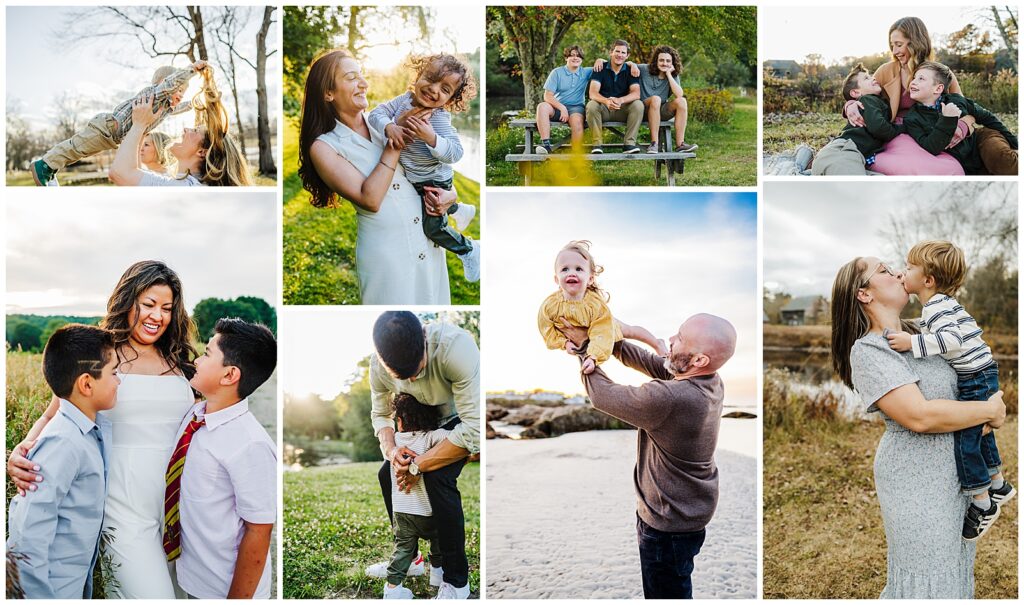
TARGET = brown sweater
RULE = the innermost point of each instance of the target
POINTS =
(676, 479)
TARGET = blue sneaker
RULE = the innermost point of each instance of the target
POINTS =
(42, 174)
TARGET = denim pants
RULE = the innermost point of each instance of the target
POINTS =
(666, 561)
(977, 457)
(449, 519)
(436, 228)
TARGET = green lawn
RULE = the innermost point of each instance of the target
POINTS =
(320, 243)
(785, 132)
(23, 178)
(727, 157)
(335, 525)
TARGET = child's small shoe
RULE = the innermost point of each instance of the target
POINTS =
(977, 522)
(42, 174)
(464, 216)
(398, 592)
(436, 575)
(380, 570)
(471, 263)
(1003, 494)
(447, 591)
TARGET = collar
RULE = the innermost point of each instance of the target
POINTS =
(77, 416)
(578, 72)
(939, 297)
(937, 106)
(344, 132)
(220, 417)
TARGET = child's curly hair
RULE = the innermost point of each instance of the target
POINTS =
(582, 247)
(437, 66)
(414, 415)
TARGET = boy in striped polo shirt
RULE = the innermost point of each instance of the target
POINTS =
(935, 271)
(430, 145)
(417, 432)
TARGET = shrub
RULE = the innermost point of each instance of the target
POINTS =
(710, 106)
(502, 141)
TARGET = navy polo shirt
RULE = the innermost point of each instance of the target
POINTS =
(614, 84)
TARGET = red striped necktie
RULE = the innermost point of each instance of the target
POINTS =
(172, 517)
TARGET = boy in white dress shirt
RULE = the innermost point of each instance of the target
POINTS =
(225, 465)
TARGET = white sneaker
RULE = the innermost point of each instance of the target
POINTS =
(398, 592)
(447, 591)
(436, 576)
(464, 216)
(471, 263)
(380, 570)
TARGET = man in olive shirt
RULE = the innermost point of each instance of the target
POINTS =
(677, 415)
(439, 365)
(615, 97)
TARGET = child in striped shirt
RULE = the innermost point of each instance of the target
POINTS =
(430, 145)
(417, 431)
(935, 271)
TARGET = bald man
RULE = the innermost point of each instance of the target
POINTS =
(677, 415)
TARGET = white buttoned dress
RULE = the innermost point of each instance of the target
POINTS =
(396, 263)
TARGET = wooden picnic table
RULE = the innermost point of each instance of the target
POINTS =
(672, 161)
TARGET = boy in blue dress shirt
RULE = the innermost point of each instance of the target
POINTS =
(56, 528)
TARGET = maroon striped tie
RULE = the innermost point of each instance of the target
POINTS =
(172, 517)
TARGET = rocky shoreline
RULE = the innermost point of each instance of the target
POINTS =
(542, 415)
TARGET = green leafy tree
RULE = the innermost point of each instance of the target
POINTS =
(23, 335)
(355, 423)
(247, 308)
(51, 326)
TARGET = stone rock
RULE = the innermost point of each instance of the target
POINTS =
(738, 414)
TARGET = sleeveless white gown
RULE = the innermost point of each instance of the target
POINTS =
(396, 263)
(145, 421)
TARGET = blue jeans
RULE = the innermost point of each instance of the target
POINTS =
(666, 561)
(977, 457)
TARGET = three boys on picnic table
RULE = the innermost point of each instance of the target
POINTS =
(616, 94)
(932, 122)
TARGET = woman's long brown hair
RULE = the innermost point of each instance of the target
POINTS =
(916, 33)
(318, 117)
(849, 320)
(175, 344)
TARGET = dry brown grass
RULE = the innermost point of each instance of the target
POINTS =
(1003, 344)
(823, 534)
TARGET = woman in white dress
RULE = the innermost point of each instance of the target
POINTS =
(339, 154)
(153, 332)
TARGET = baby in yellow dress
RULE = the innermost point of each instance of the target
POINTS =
(582, 303)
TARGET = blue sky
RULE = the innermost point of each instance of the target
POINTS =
(64, 256)
(667, 256)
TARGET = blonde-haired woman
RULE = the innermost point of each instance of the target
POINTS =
(206, 154)
(915, 470)
(154, 154)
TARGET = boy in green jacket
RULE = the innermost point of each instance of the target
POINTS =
(933, 122)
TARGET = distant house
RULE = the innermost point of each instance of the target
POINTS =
(785, 69)
(804, 310)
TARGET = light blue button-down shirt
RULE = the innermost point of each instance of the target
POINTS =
(57, 527)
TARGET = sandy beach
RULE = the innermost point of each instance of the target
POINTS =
(561, 518)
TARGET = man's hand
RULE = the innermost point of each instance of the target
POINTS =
(950, 110)
(899, 341)
(1000, 410)
(574, 334)
(589, 365)
(404, 478)
(401, 456)
(612, 103)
